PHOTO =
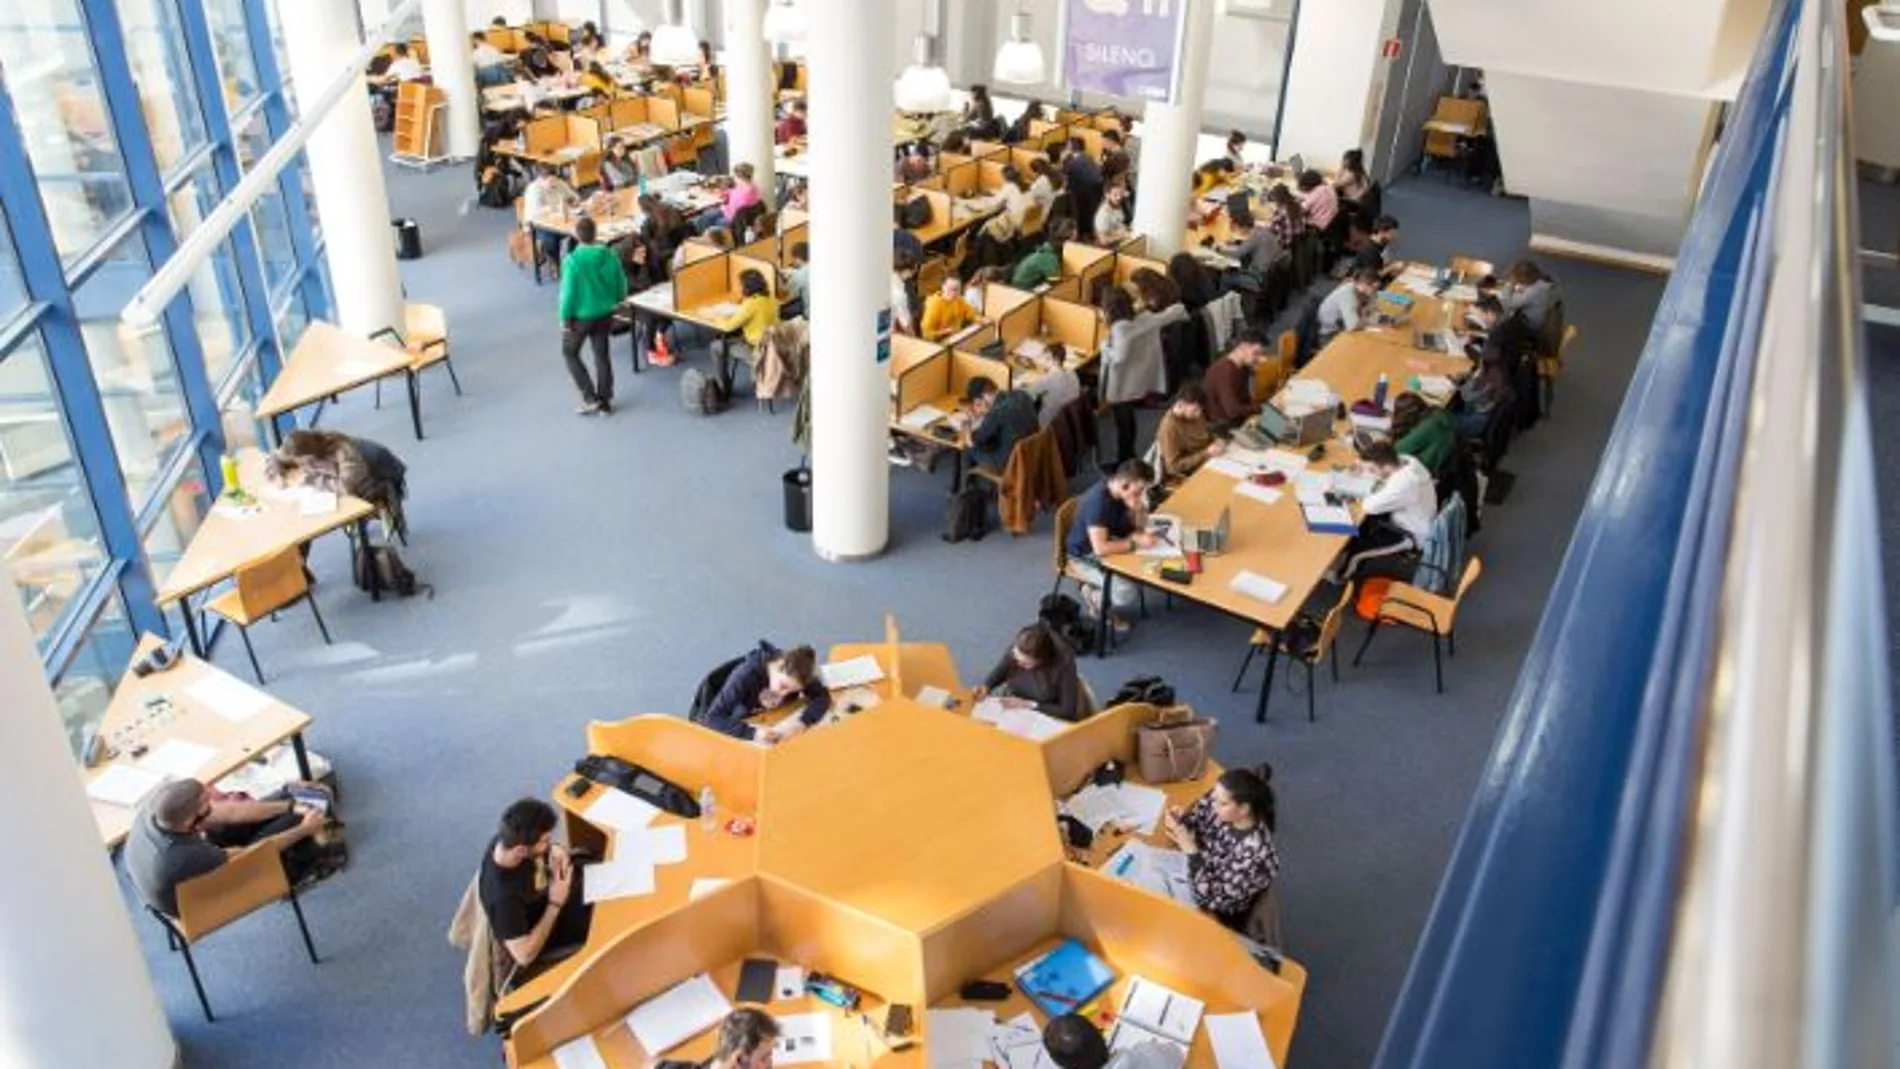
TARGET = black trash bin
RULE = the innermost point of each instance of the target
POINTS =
(798, 499)
(408, 239)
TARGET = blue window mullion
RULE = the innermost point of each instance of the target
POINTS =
(148, 192)
(73, 385)
(277, 115)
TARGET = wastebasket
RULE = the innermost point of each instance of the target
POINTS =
(408, 239)
(798, 499)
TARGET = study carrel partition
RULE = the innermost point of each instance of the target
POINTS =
(919, 372)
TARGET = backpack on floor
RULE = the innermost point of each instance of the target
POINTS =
(702, 394)
(1062, 615)
(391, 573)
(968, 514)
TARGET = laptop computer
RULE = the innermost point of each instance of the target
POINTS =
(1208, 540)
(1310, 429)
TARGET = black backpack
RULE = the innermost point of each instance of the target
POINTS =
(968, 515)
(702, 394)
(391, 573)
(1151, 690)
(1062, 615)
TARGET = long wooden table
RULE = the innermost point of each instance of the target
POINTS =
(329, 360)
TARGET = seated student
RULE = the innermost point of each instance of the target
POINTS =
(1288, 221)
(797, 282)
(1037, 671)
(1212, 175)
(1371, 254)
(1184, 438)
(1043, 264)
(339, 464)
(640, 51)
(1073, 1042)
(999, 420)
(1056, 387)
(531, 889)
(1257, 246)
(741, 194)
(767, 678)
(403, 66)
(183, 829)
(758, 313)
(1349, 305)
(1111, 219)
(1228, 385)
(792, 127)
(946, 312)
(491, 63)
(1529, 292)
(1042, 189)
(596, 79)
(1228, 838)
(1398, 514)
(618, 169)
(1319, 200)
(747, 1038)
(1423, 430)
(1111, 517)
(535, 59)
(993, 238)
(548, 194)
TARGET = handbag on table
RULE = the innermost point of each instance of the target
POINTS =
(1174, 746)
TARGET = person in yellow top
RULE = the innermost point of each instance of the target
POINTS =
(758, 312)
(1212, 175)
(947, 312)
(597, 80)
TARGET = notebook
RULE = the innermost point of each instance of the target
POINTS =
(1065, 979)
(678, 1014)
(1160, 1011)
(1330, 519)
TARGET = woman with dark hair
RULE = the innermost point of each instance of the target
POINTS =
(1228, 838)
(1187, 344)
(979, 112)
(1133, 362)
(757, 313)
(1352, 182)
(1037, 671)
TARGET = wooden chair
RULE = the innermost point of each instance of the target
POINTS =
(960, 252)
(262, 589)
(1471, 270)
(425, 336)
(930, 275)
(1405, 605)
(1068, 569)
(1549, 367)
(247, 882)
(1321, 650)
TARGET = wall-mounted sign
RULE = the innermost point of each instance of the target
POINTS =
(1124, 48)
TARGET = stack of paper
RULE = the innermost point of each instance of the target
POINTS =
(1238, 1042)
(1152, 868)
(1353, 484)
(619, 810)
(1255, 585)
(1026, 722)
(1017, 1044)
(1309, 394)
(179, 758)
(125, 785)
(935, 697)
(1129, 805)
(921, 416)
(856, 672)
(678, 1014)
(228, 697)
(620, 878)
(1330, 519)
(582, 1053)
(1311, 487)
(959, 1038)
(1161, 1012)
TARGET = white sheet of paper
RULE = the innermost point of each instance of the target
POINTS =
(619, 810)
(228, 697)
(989, 710)
(856, 672)
(582, 1053)
(620, 878)
(1126, 1037)
(802, 1038)
(1032, 348)
(1266, 495)
(1238, 1042)
(1312, 487)
(922, 416)
(936, 697)
(1255, 585)
(1286, 462)
(704, 886)
(316, 503)
(1162, 1010)
(1017, 1044)
(1141, 806)
(1030, 723)
(1230, 467)
(1329, 515)
(125, 785)
(661, 845)
(1353, 484)
(678, 1014)
(179, 758)
(789, 983)
(958, 1037)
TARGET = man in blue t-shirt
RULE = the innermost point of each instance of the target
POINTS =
(1111, 518)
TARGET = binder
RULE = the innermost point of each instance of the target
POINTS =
(1065, 979)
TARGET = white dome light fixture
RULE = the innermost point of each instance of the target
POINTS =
(1020, 60)
(785, 22)
(674, 43)
(923, 87)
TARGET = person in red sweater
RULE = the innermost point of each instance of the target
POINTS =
(1229, 382)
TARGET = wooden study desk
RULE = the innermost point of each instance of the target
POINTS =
(327, 361)
(231, 539)
(239, 723)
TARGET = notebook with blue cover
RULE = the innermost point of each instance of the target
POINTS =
(1065, 979)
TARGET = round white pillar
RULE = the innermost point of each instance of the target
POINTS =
(750, 92)
(1168, 135)
(346, 172)
(850, 101)
(452, 69)
(74, 988)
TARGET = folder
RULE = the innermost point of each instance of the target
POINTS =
(1065, 979)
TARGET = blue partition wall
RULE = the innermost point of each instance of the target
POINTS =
(122, 123)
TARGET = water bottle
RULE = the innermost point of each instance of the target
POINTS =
(1379, 391)
(707, 818)
(643, 181)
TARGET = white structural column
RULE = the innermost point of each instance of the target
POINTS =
(452, 69)
(750, 91)
(345, 171)
(850, 100)
(1167, 142)
(74, 987)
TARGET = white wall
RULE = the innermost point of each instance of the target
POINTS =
(1330, 92)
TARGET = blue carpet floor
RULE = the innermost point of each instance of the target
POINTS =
(595, 567)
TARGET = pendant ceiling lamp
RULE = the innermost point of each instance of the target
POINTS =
(1020, 60)
(674, 42)
(785, 22)
(923, 86)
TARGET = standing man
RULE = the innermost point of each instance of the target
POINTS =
(592, 285)
(1085, 186)
(538, 916)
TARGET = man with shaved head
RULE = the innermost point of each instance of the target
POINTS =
(183, 830)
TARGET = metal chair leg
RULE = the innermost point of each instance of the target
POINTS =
(324, 631)
(1332, 658)
(1311, 716)
(1371, 630)
(1438, 667)
(1451, 644)
(297, 908)
(379, 395)
(245, 634)
(1242, 674)
(457, 383)
(191, 966)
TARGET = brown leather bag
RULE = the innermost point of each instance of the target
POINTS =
(1174, 746)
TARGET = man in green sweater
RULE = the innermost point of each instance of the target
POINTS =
(1044, 263)
(592, 285)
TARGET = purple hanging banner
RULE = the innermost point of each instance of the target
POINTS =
(1124, 48)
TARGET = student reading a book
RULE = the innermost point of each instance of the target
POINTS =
(1039, 671)
(530, 888)
(767, 678)
(1228, 838)
(1398, 513)
(1073, 1042)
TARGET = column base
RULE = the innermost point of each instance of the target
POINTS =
(835, 557)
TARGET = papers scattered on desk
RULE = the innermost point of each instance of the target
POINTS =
(179, 758)
(922, 416)
(1022, 721)
(1167, 532)
(1311, 487)
(1161, 1012)
(1309, 394)
(619, 810)
(1130, 805)
(316, 503)
(1353, 484)
(228, 697)
(1232, 467)
(582, 1053)
(704, 886)
(856, 672)
(1152, 868)
(1330, 519)
(788, 983)
(1238, 1042)
(677, 1014)
(959, 1038)
(620, 878)
(802, 1038)
(722, 310)
(657, 299)
(1437, 387)
(1032, 349)
(1257, 586)
(1017, 1044)
(662, 845)
(1266, 495)
(125, 785)
(935, 697)
(1285, 461)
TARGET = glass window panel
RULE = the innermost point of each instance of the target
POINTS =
(253, 138)
(12, 286)
(237, 68)
(217, 300)
(242, 428)
(62, 117)
(155, 48)
(184, 510)
(291, 321)
(85, 688)
(49, 533)
(138, 380)
(272, 226)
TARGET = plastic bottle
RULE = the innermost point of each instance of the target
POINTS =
(1379, 391)
(708, 819)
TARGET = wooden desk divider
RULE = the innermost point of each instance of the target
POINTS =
(703, 282)
(989, 174)
(893, 654)
(989, 150)
(791, 232)
(667, 91)
(964, 179)
(979, 944)
(663, 112)
(1088, 263)
(1078, 326)
(544, 135)
(1025, 159)
(506, 40)
(1020, 318)
(1091, 139)
(1136, 246)
(1044, 132)
(693, 250)
(739, 262)
(1127, 264)
(940, 220)
(623, 112)
(794, 219)
(1068, 288)
(920, 372)
(1073, 754)
(965, 367)
(699, 100)
(935, 181)
(944, 161)
(685, 753)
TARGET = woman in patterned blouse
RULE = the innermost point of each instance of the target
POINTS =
(1228, 838)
